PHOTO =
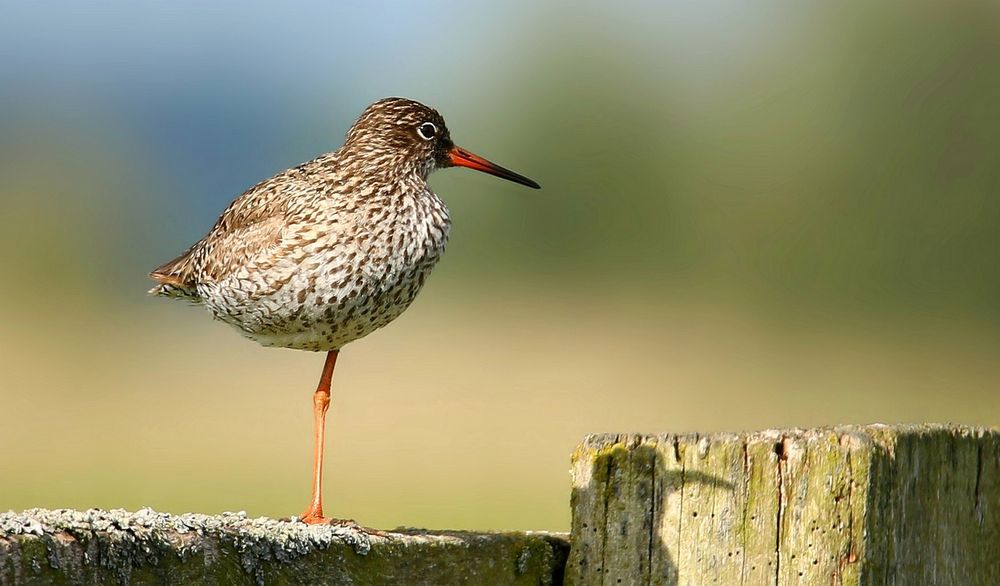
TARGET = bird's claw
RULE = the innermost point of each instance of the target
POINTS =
(346, 523)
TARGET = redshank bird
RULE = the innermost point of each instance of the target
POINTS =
(327, 252)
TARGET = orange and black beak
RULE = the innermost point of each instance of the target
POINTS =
(463, 158)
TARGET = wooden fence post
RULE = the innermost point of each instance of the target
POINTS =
(145, 547)
(862, 505)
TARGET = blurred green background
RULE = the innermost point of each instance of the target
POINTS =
(752, 215)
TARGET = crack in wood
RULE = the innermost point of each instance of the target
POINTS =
(653, 506)
(680, 516)
(779, 450)
(746, 508)
(851, 537)
(608, 488)
(977, 508)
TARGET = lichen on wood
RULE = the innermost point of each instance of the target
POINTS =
(41, 546)
(857, 505)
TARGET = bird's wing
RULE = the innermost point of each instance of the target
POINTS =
(249, 228)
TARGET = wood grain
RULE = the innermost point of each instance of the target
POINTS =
(859, 505)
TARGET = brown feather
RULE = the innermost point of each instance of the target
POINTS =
(172, 272)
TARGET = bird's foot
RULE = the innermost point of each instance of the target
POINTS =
(310, 518)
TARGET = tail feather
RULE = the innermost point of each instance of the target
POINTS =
(175, 279)
(169, 290)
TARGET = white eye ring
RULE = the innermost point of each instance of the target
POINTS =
(427, 130)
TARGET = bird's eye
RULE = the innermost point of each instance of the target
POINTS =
(427, 130)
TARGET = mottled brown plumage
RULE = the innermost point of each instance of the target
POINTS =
(331, 250)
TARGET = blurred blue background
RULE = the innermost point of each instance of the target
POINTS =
(756, 215)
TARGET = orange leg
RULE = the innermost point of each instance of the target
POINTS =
(321, 401)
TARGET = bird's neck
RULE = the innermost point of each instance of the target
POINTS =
(380, 171)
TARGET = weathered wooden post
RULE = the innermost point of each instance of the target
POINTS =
(145, 547)
(873, 505)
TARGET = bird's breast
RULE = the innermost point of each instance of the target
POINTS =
(345, 281)
(399, 238)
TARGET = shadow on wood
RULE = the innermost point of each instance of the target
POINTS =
(628, 483)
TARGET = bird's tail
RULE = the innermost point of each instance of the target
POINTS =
(176, 292)
(174, 279)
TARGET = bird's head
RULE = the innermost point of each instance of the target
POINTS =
(408, 136)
